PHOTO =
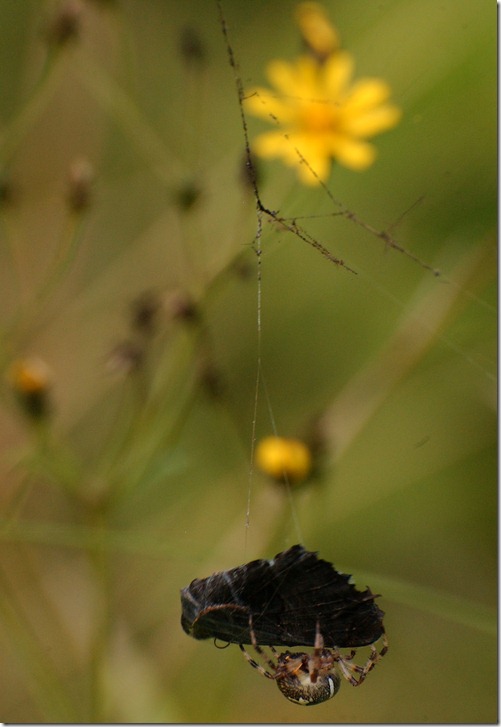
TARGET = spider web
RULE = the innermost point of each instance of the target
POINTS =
(138, 487)
(297, 225)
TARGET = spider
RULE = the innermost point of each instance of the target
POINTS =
(309, 679)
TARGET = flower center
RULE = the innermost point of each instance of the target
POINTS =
(319, 117)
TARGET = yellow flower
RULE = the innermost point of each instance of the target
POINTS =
(322, 115)
(30, 379)
(30, 375)
(283, 458)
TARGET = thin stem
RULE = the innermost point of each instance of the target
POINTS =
(45, 683)
(100, 647)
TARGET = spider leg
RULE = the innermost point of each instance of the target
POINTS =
(254, 663)
(261, 653)
(350, 656)
(316, 658)
(349, 670)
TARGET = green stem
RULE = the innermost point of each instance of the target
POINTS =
(44, 682)
(445, 605)
(99, 558)
(20, 125)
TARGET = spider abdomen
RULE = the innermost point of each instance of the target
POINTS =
(300, 681)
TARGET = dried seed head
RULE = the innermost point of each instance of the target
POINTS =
(125, 358)
(211, 379)
(179, 305)
(191, 47)
(187, 196)
(144, 312)
(81, 177)
(66, 23)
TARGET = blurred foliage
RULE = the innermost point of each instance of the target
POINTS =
(128, 267)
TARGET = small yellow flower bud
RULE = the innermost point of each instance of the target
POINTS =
(318, 33)
(29, 375)
(30, 379)
(283, 458)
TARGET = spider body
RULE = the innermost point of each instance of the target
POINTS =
(310, 679)
(295, 680)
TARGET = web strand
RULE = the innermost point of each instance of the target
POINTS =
(293, 227)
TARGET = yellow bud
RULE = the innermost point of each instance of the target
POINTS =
(319, 35)
(29, 375)
(30, 379)
(283, 458)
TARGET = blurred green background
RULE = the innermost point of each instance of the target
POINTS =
(138, 479)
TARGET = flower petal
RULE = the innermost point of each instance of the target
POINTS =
(337, 72)
(283, 76)
(295, 80)
(271, 144)
(308, 152)
(354, 154)
(365, 94)
(263, 103)
(295, 150)
(321, 165)
(372, 122)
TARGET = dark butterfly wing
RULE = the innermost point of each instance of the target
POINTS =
(308, 591)
(218, 606)
(283, 599)
(208, 611)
